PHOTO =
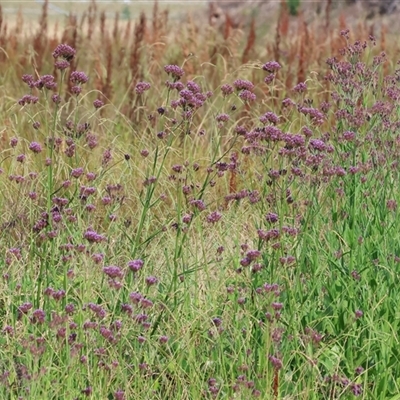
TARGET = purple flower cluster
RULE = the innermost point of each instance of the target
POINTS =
(135, 265)
(93, 237)
(64, 51)
(28, 99)
(141, 87)
(271, 66)
(175, 71)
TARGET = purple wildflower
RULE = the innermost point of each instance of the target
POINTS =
(87, 391)
(24, 308)
(61, 64)
(77, 172)
(46, 81)
(64, 51)
(175, 71)
(269, 117)
(193, 87)
(113, 272)
(78, 77)
(56, 99)
(28, 99)
(141, 339)
(317, 144)
(141, 87)
(93, 237)
(135, 265)
(151, 280)
(277, 306)
(272, 217)
(35, 147)
(253, 254)
(119, 395)
(199, 204)
(214, 217)
(98, 103)
(135, 297)
(288, 102)
(246, 95)
(163, 339)
(359, 370)
(38, 316)
(271, 66)
(269, 78)
(29, 80)
(13, 142)
(300, 87)
(226, 89)
(242, 84)
(222, 117)
(76, 90)
(276, 362)
(356, 388)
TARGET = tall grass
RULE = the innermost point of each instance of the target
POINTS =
(198, 223)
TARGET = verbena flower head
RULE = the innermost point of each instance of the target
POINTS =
(98, 103)
(113, 272)
(269, 117)
(35, 147)
(29, 80)
(79, 77)
(247, 95)
(222, 117)
(193, 87)
(242, 84)
(64, 51)
(28, 99)
(56, 98)
(119, 395)
(226, 89)
(46, 81)
(300, 87)
(135, 265)
(151, 280)
(76, 90)
(271, 66)
(141, 87)
(175, 71)
(61, 64)
(93, 237)
(38, 316)
(214, 217)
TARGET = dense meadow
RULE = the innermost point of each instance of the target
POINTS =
(199, 212)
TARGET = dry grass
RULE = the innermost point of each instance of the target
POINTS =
(119, 53)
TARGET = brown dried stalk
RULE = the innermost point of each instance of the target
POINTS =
(116, 28)
(251, 39)
(304, 40)
(134, 62)
(155, 22)
(228, 26)
(92, 11)
(1, 18)
(103, 25)
(107, 88)
(71, 35)
(41, 37)
(328, 13)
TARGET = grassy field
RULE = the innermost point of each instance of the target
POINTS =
(199, 212)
